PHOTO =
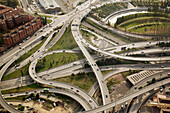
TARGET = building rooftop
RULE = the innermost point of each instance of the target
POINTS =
(49, 4)
(4, 9)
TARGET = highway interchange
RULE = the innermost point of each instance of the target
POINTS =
(89, 104)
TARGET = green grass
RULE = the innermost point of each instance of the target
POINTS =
(153, 29)
(146, 3)
(24, 88)
(65, 42)
(108, 9)
(105, 72)
(45, 16)
(29, 53)
(146, 25)
(16, 98)
(55, 60)
(84, 80)
(17, 73)
(49, 21)
(87, 35)
(130, 72)
(112, 82)
(127, 50)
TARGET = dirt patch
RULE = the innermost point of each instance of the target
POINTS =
(120, 87)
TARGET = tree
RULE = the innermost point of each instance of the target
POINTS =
(109, 23)
(23, 99)
(51, 65)
(32, 95)
(45, 21)
(145, 28)
(21, 108)
(37, 96)
(44, 60)
(72, 74)
(22, 73)
(153, 80)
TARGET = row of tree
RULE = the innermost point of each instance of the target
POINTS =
(137, 15)
(150, 3)
(163, 44)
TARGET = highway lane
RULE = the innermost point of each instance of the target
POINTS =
(2, 100)
(58, 91)
(123, 11)
(69, 87)
(128, 97)
(75, 31)
(133, 45)
(10, 53)
(68, 69)
(7, 66)
(100, 37)
(125, 57)
(148, 51)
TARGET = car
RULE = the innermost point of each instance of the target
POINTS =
(26, 92)
(11, 94)
(90, 101)
(63, 50)
(97, 69)
(20, 44)
(143, 67)
(161, 89)
(19, 104)
(77, 90)
(51, 83)
(28, 37)
(102, 81)
(35, 91)
(162, 66)
(71, 88)
(132, 65)
(106, 96)
(38, 51)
